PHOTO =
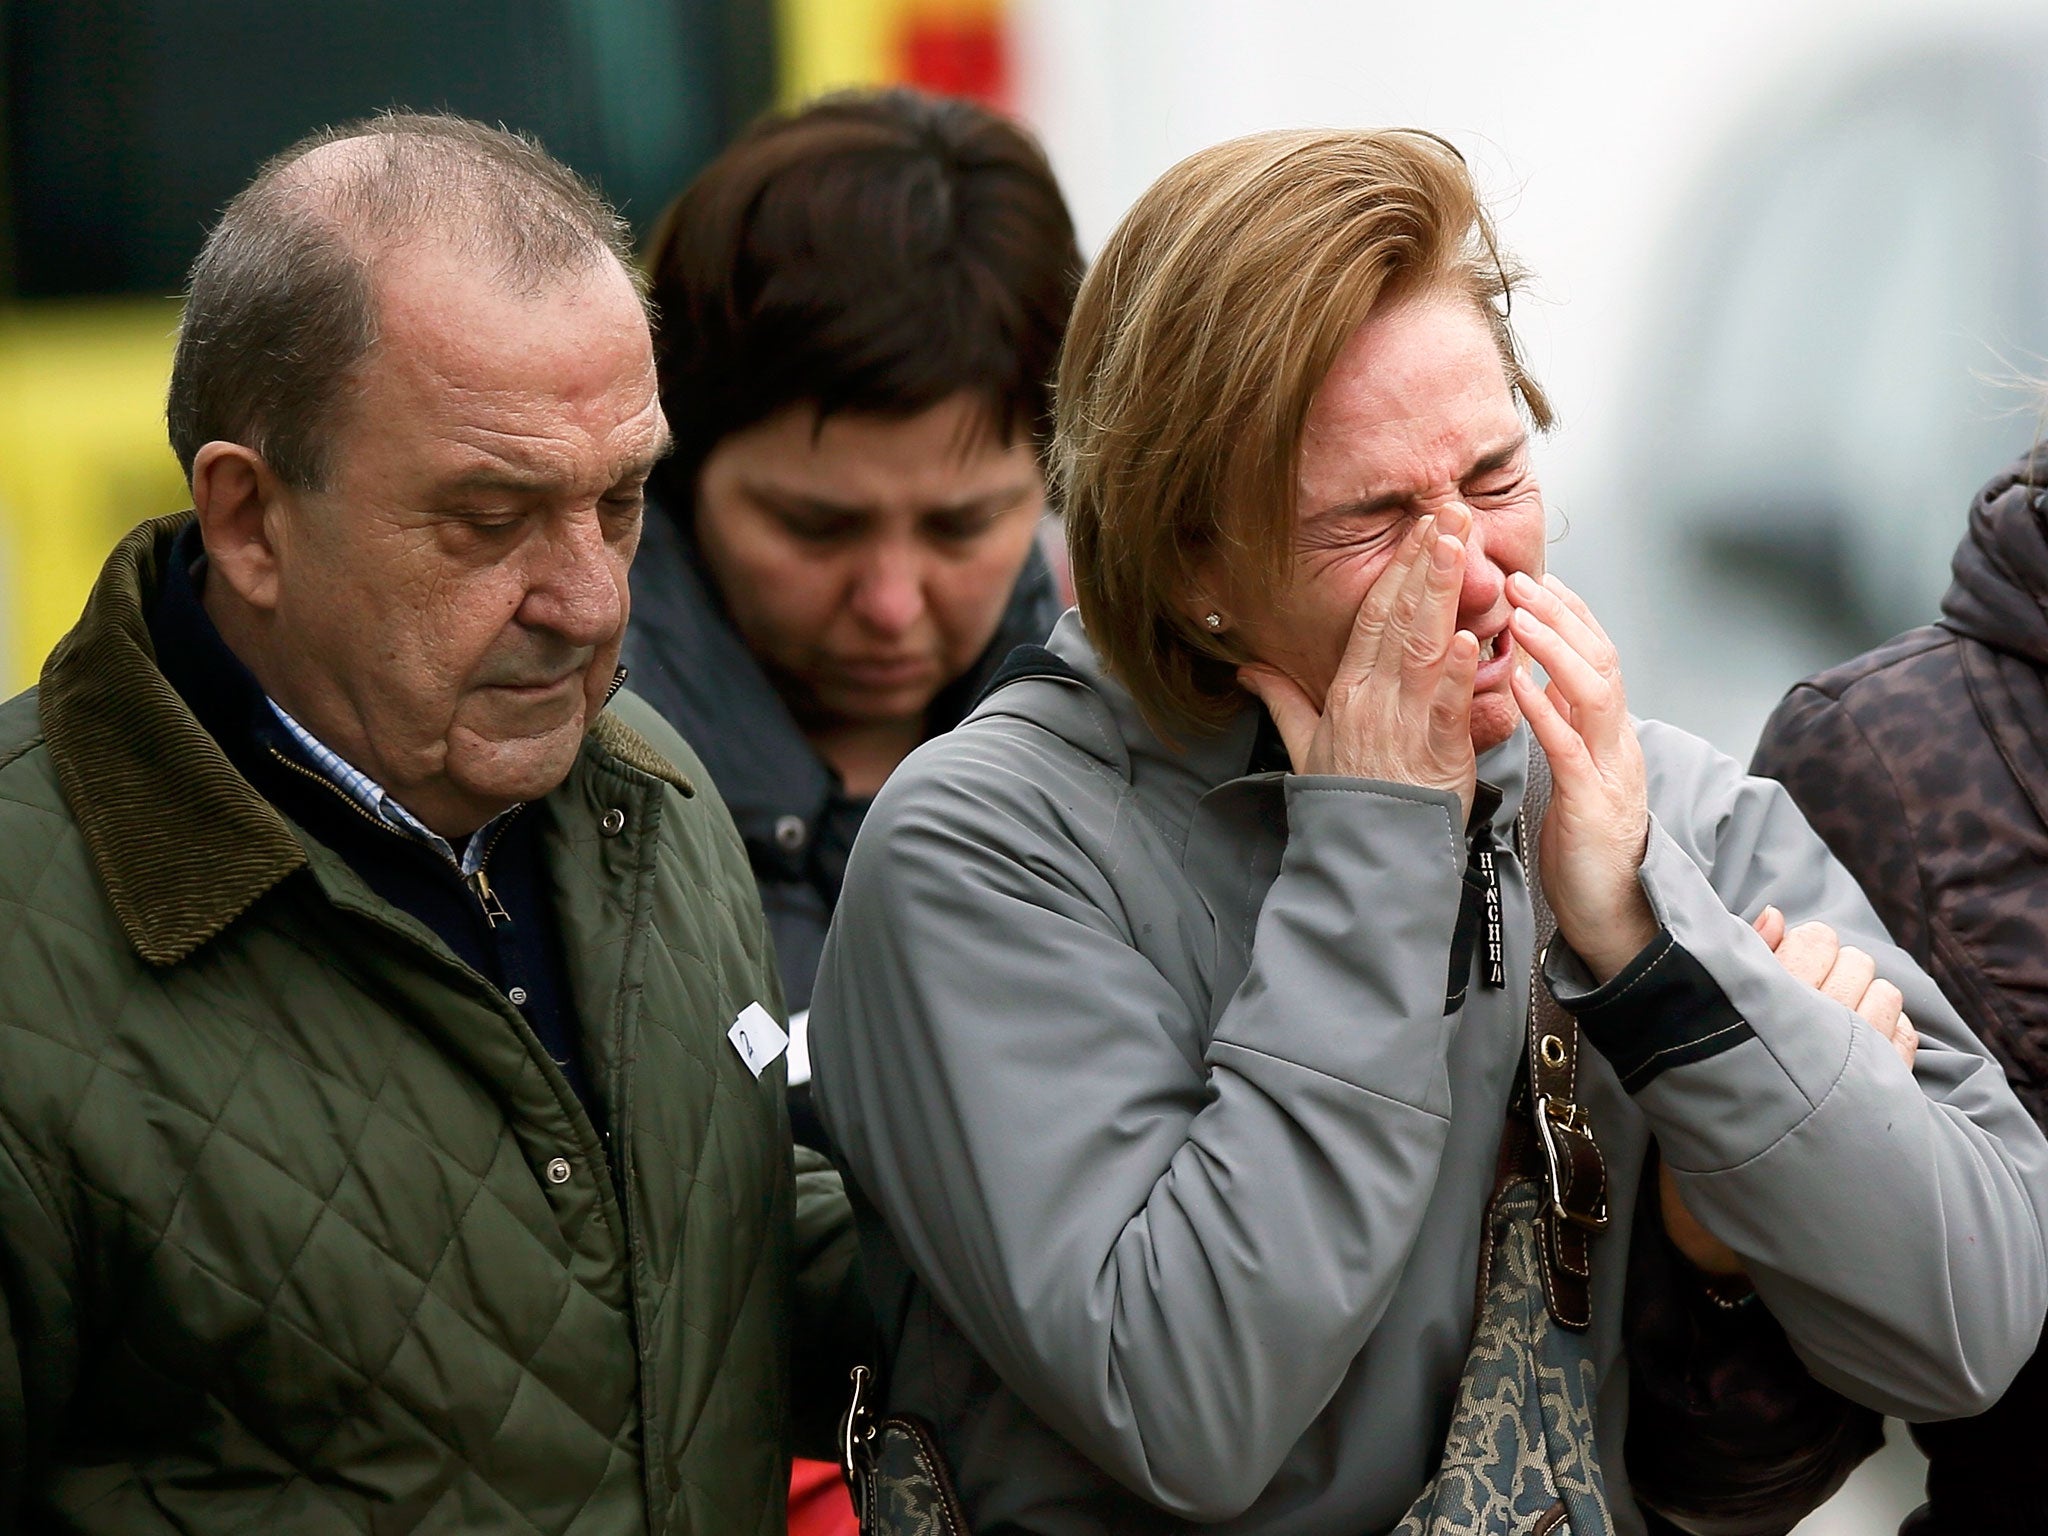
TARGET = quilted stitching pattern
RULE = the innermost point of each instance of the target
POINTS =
(293, 1190)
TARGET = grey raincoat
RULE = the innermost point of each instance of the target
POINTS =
(1176, 1164)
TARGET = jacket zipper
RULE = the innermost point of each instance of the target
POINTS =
(479, 883)
(335, 790)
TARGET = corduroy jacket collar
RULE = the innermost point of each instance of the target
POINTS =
(183, 843)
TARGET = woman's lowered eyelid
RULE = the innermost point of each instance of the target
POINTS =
(1340, 528)
(813, 525)
(962, 526)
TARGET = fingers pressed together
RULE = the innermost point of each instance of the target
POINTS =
(1814, 954)
(1553, 625)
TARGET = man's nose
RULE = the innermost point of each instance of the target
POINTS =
(578, 588)
(888, 592)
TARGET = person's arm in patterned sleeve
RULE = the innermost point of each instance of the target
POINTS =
(1813, 746)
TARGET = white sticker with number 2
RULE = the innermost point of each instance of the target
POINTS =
(757, 1037)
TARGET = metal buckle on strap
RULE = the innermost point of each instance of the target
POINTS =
(1548, 1123)
(857, 1442)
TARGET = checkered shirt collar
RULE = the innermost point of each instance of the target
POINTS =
(375, 799)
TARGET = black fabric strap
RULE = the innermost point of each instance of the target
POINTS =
(1478, 930)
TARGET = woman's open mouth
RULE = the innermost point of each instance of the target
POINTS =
(1496, 660)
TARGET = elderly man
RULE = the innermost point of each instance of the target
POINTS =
(392, 1130)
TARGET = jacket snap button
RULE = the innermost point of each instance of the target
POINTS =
(516, 997)
(558, 1171)
(613, 822)
(790, 832)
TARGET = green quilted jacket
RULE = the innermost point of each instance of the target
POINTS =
(300, 1229)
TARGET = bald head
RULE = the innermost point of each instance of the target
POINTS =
(284, 297)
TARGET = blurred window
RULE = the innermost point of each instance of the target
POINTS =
(1860, 302)
(129, 123)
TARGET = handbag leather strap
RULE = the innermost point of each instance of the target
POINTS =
(1550, 1131)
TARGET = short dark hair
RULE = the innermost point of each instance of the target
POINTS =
(875, 252)
(281, 304)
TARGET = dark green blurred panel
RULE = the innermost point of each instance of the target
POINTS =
(128, 123)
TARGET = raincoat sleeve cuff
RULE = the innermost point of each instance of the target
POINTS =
(1661, 1010)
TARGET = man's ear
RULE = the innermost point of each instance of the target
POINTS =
(240, 502)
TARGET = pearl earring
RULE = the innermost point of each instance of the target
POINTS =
(1213, 620)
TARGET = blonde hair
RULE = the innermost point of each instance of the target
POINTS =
(1198, 342)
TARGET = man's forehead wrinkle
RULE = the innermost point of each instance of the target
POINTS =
(556, 450)
(490, 450)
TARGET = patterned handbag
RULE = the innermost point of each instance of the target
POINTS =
(894, 1471)
(1520, 1458)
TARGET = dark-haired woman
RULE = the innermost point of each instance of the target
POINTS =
(859, 308)
(860, 304)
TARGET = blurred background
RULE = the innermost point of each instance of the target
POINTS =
(1790, 294)
(1791, 290)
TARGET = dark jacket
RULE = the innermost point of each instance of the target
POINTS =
(798, 824)
(1924, 766)
(300, 1228)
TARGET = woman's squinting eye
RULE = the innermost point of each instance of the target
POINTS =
(1375, 530)
(1328, 538)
